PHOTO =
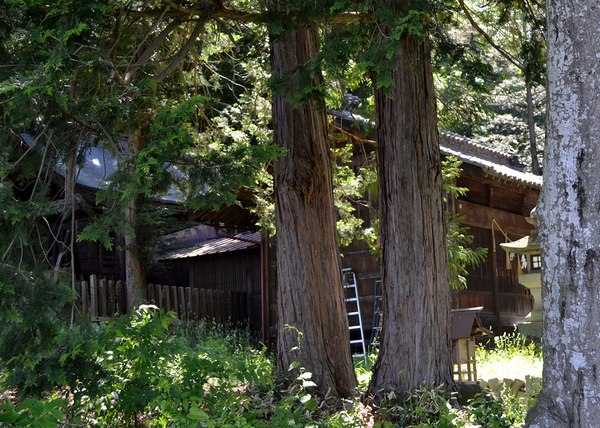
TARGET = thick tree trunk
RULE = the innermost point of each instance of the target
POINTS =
(310, 296)
(415, 336)
(569, 221)
(135, 277)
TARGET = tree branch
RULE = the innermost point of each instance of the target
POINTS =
(152, 47)
(237, 15)
(183, 51)
(487, 37)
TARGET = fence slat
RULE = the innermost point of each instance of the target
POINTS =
(121, 297)
(166, 298)
(189, 313)
(195, 304)
(182, 303)
(102, 298)
(150, 293)
(112, 298)
(94, 296)
(85, 298)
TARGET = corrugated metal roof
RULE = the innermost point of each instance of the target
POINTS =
(217, 245)
(493, 162)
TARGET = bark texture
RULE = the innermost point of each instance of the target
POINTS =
(415, 336)
(135, 277)
(310, 295)
(569, 221)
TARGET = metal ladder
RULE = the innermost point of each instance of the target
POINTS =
(376, 331)
(357, 335)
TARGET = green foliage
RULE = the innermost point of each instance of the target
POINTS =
(510, 345)
(352, 187)
(427, 406)
(460, 255)
(488, 412)
(151, 370)
(32, 413)
(37, 348)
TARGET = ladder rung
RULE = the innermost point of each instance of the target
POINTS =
(351, 314)
(349, 285)
(354, 327)
(351, 299)
(356, 342)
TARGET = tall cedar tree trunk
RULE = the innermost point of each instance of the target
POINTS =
(569, 221)
(415, 335)
(134, 272)
(310, 294)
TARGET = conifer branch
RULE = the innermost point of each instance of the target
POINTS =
(489, 39)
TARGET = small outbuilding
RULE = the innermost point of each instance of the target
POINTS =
(466, 327)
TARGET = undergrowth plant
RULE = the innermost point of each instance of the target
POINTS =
(152, 370)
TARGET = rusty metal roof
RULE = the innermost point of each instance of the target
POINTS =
(212, 245)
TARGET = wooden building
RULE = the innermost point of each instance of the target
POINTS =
(204, 257)
(500, 196)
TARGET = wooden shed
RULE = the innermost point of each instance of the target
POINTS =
(466, 327)
(204, 257)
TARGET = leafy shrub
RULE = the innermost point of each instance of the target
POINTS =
(427, 406)
(488, 412)
(32, 413)
(38, 349)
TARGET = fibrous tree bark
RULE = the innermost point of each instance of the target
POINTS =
(569, 221)
(310, 294)
(415, 335)
(135, 277)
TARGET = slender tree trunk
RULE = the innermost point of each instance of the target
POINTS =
(569, 221)
(415, 336)
(310, 295)
(535, 165)
(135, 277)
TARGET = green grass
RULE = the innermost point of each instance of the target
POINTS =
(510, 356)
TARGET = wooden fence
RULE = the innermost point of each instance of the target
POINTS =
(103, 300)
(200, 303)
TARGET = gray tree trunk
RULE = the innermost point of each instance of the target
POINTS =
(135, 277)
(415, 336)
(310, 294)
(569, 221)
